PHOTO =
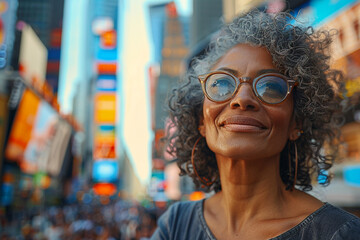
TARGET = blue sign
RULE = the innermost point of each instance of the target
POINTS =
(106, 83)
(7, 193)
(352, 175)
(317, 11)
(106, 54)
(54, 54)
(105, 170)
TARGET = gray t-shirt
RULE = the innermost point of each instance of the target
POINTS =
(185, 220)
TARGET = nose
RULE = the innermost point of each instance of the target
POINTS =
(245, 98)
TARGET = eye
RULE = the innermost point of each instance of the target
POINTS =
(271, 89)
(220, 87)
(223, 86)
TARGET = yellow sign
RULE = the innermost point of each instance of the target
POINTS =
(105, 108)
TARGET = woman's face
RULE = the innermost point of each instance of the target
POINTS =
(244, 127)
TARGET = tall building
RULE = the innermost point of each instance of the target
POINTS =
(45, 18)
(170, 35)
(206, 19)
(157, 17)
(37, 14)
(173, 52)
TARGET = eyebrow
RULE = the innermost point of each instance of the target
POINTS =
(236, 73)
(263, 71)
(229, 70)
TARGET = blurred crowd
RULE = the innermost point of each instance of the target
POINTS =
(117, 220)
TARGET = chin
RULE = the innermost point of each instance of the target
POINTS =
(236, 153)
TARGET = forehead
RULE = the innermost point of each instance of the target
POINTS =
(245, 59)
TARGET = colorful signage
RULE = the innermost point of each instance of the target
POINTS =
(316, 12)
(105, 189)
(53, 64)
(352, 175)
(106, 67)
(59, 144)
(104, 54)
(105, 134)
(106, 83)
(7, 187)
(33, 57)
(157, 185)
(7, 25)
(102, 24)
(104, 150)
(38, 138)
(105, 108)
(108, 40)
(24, 122)
(106, 170)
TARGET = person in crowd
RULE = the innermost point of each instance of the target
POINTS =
(253, 119)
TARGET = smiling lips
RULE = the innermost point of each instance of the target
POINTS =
(242, 124)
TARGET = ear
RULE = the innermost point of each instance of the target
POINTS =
(201, 127)
(294, 130)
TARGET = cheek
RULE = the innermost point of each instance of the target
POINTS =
(281, 121)
(211, 111)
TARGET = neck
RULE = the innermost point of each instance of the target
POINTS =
(251, 190)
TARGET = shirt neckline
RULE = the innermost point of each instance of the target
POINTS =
(308, 219)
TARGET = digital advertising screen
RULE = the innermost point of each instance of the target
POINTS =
(38, 137)
(105, 170)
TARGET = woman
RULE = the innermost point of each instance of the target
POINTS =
(251, 129)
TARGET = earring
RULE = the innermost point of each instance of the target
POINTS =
(203, 180)
(299, 133)
(296, 164)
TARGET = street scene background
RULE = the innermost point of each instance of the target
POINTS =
(83, 89)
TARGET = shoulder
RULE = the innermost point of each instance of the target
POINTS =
(186, 204)
(332, 222)
(334, 215)
(179, 220)
(180, 211)
(345, 225)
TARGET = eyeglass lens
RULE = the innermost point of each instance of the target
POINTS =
(269, 88)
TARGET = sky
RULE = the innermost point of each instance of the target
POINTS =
(134, 58)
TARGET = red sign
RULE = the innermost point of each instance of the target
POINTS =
(106, 68)
(104, 150)
(107, 189)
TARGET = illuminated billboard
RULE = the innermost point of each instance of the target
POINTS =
(106, 83)
(106, 170)
(7, 26)
(105, 166)
(105, 134)
(105, 108)
(33, 57)
(22, 127)
(39, 137)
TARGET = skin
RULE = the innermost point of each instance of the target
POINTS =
(247, 137)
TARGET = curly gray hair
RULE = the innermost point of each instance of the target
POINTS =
(298, 52)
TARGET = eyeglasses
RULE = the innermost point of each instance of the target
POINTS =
(270, 88)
